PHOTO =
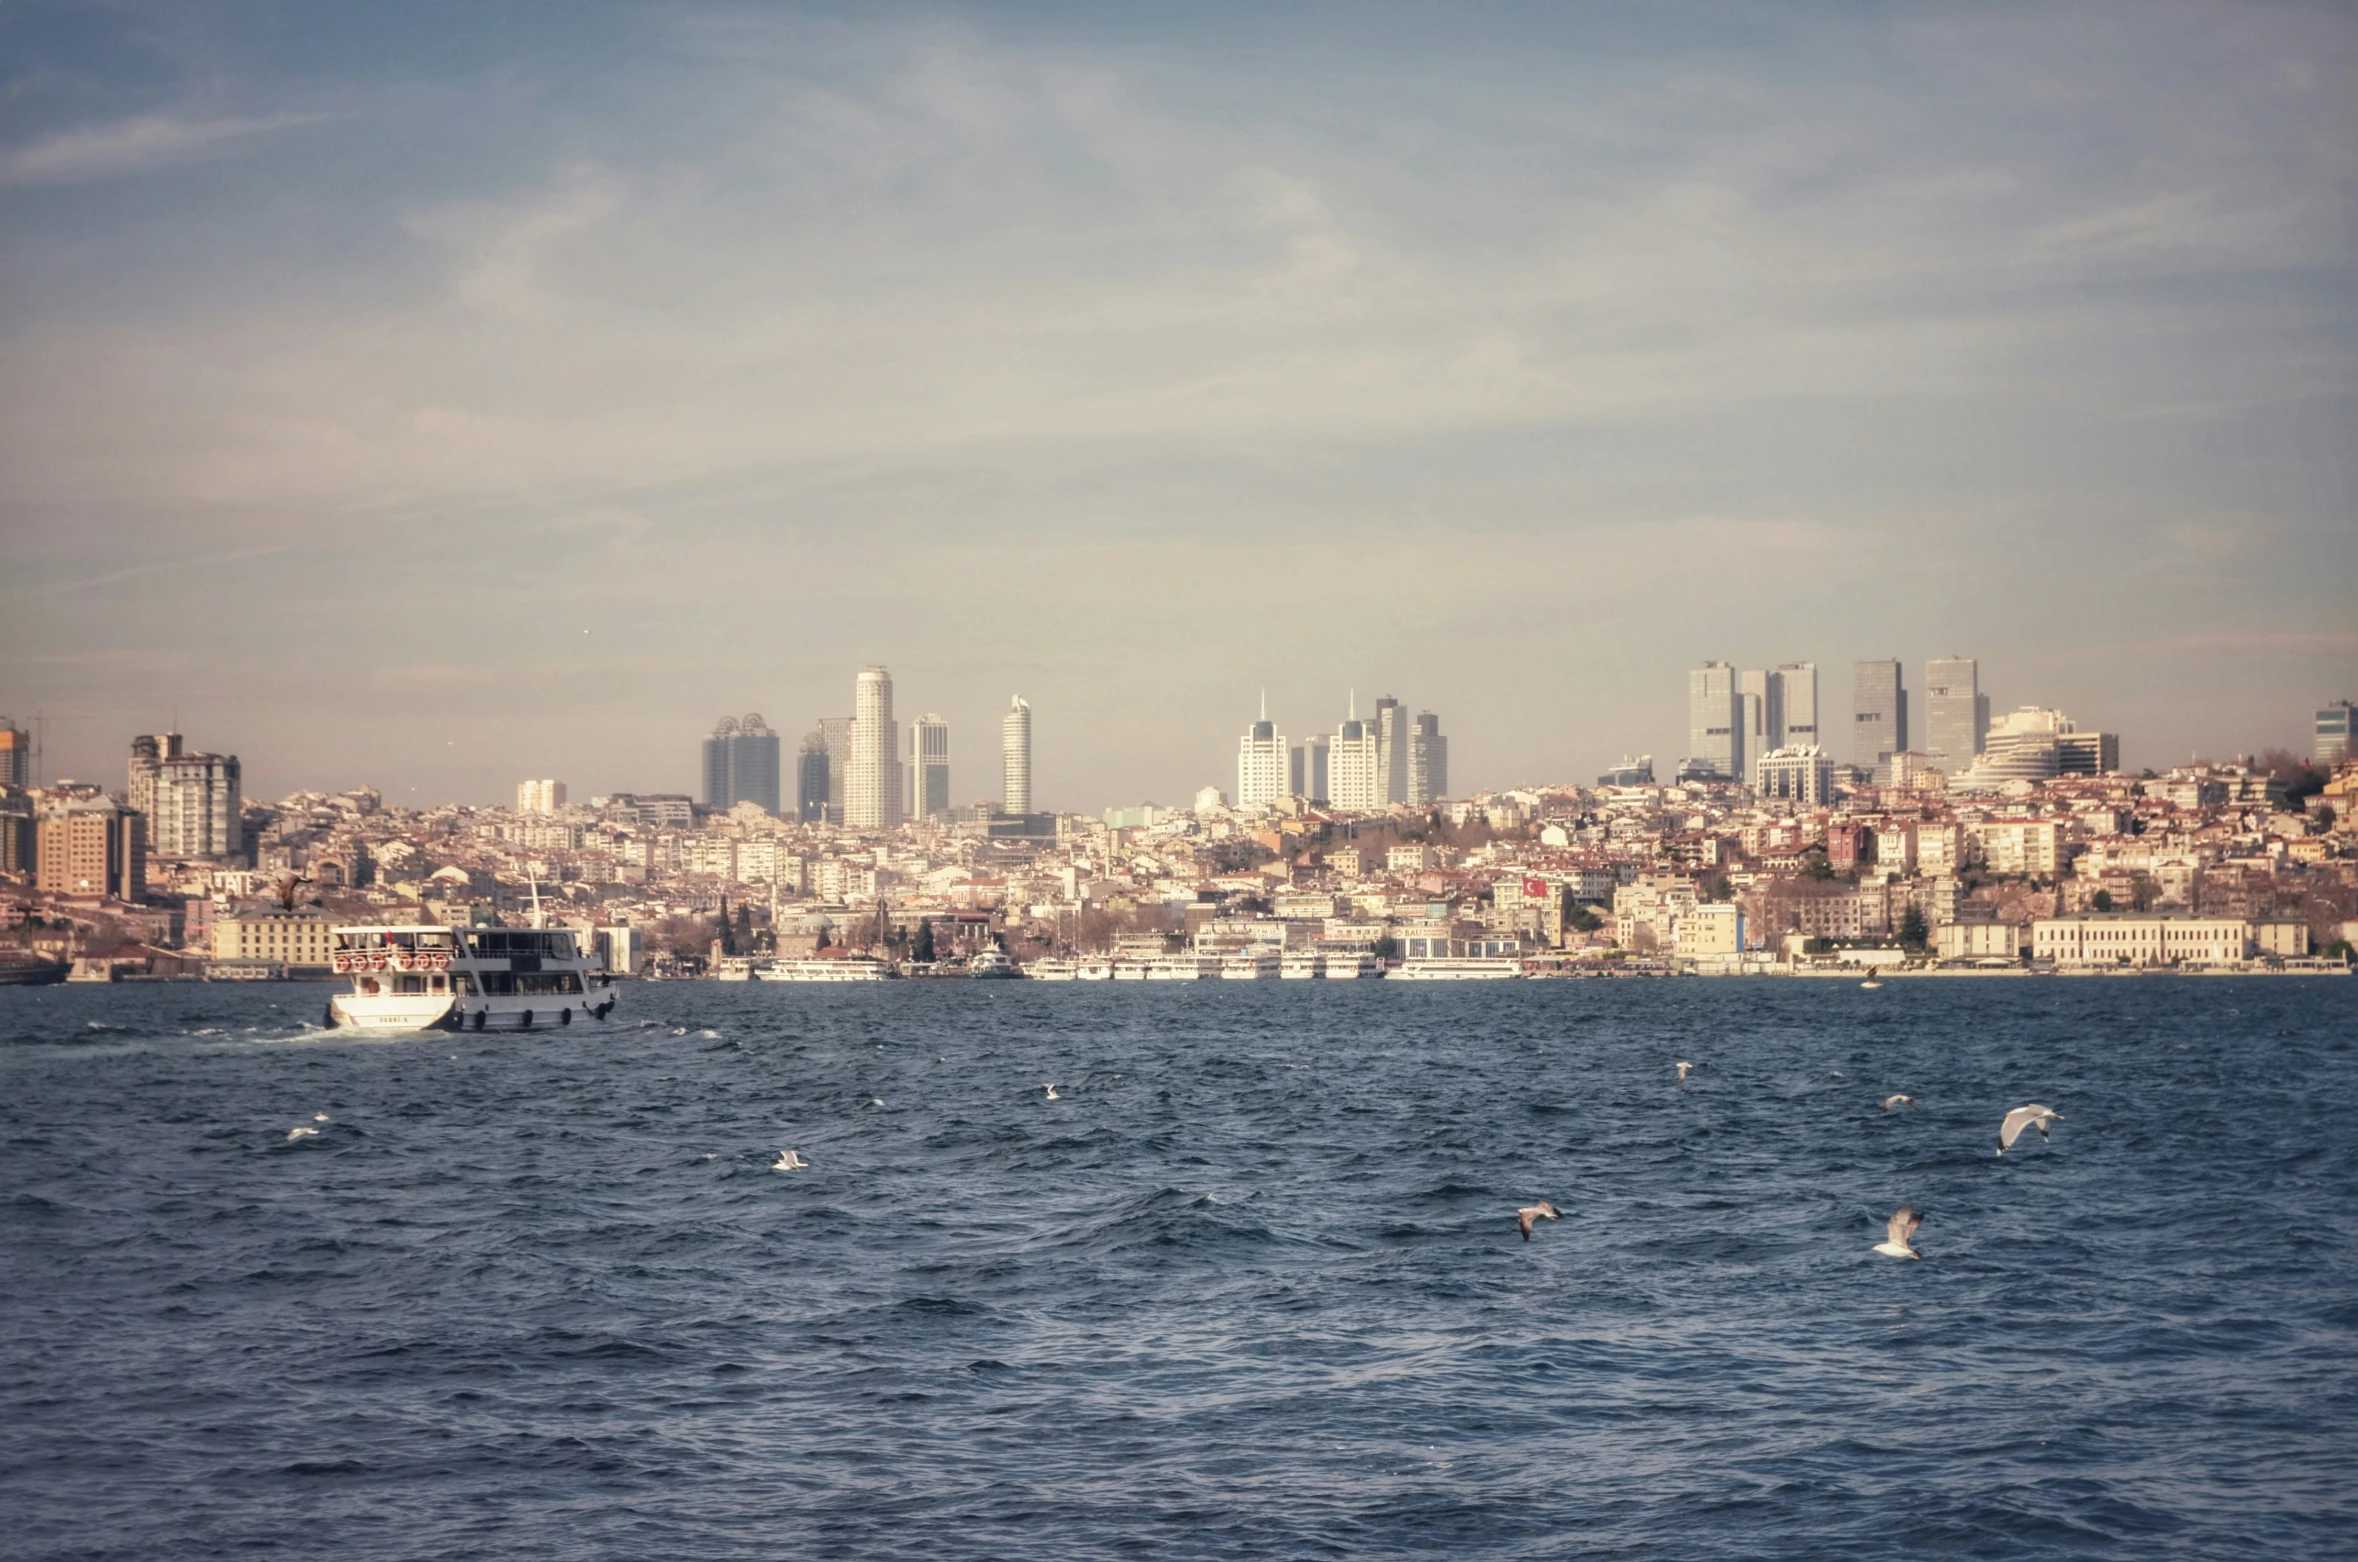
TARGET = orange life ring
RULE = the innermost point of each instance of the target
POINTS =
(376, 962)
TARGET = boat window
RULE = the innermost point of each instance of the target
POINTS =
(462, 984)
(409, 984)
(434, 984)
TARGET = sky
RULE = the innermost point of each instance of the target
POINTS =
(438, 395)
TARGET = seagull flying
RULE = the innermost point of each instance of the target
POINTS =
(788, 1161)
(1897, 1231)
(1531, 1212)
(1907, 1101)
(1682, 1066)
(2032, 1116)
(301, 1133)
(1052, 1095)
(319, 1117)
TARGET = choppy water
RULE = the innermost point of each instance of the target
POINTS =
(1252, 1287)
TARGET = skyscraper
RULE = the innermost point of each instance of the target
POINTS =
(1878, 714)
(872, 775)
(929, 767)
(1391, 731)
(1797, 704)
(539, 797)
(1355, 776)
(1263, 763)
(2337, 739)
(813, 794)
(741, 764)
(714, 792)
(1015, 757)
(16, 750)
(753, 764)
(1310, 767)
(1428, 760)
(1763, 714)
(835, 733)
(1956, 714)
(94, 849)
(192, 802)
(1715, 726)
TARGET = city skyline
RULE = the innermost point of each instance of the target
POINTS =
(370, 342)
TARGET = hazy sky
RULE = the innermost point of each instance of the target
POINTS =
(437, 395)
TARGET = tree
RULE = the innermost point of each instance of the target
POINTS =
(1580, 919)
(2102, 900)
(728, 937)
(823, 939)
(1912, 930)
(924, 951)
(744, 925)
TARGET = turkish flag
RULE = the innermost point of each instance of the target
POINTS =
(1535, 889)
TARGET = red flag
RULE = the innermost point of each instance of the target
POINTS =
(1535, 889)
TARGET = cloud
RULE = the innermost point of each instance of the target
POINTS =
(132, 146)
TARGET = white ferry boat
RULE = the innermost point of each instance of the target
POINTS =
(1251, 965)
(1183, 968)
(846, 970)
(1351, 965)
(1054, 969)
(991, 965)
(1300, 965)
(1467, 969)
(465, 978)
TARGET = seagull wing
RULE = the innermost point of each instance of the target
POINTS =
(1902, 1225)
(1523, 1219)
(2016, 1121)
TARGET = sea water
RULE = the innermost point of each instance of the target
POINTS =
(1250, 1287)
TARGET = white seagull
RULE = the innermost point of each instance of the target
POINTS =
(1907, 1101)
(2032, 1116)
(1543, 1210)
(1052, 1095)
(1897, 1231)
(1682, 1066)
(320, 1117)
(301, 1133)
(788, 1161)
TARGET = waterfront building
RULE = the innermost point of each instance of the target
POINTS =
(1879, 716)
(291, 939)
(812, 792)
(872, 773)
(929, 768)
(1015, 757)
(539, 797)
(1956, 712)
(1715, 725)
(1428, 761)
(93, 848)
(2139, 940)
(1796, 685)
(16, 755)
(191, 801)
(1355, 777)
(1803, 773)
(2337, 739)
(1262, 763)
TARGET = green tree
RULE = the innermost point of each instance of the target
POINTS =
(1912, 930)
(2102, 900)
(744, 938)
(728, 936)
(924, 951)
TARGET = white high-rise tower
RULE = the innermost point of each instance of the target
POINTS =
(1263, 763)
(1015, 756)
(1355, 773)
(872, 774)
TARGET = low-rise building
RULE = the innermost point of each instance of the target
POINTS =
(293, 939)
(2140, 940)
